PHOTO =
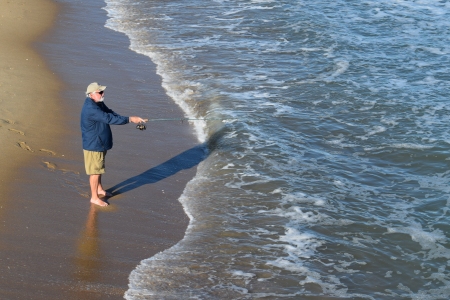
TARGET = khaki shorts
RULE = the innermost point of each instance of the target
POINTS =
(94, 162)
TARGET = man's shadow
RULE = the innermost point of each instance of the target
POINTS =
(182, 161)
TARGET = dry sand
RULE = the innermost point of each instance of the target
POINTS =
(53, 243)
(28, 88)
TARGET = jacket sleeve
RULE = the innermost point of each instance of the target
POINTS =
(109, 110)
(107, 116)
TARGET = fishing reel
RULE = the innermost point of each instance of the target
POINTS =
(141, 126)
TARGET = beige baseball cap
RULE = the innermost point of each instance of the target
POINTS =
(93, 87)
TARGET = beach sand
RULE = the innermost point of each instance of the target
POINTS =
(54, 244)
(24, 82)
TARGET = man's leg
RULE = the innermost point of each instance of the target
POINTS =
(95, 182)
(100, 190)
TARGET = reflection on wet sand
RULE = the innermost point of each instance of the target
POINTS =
(88, 259)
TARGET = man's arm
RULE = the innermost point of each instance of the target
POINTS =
(104, 116)
(109, 110)
(110, 117)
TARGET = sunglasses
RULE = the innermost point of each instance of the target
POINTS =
(101, 92)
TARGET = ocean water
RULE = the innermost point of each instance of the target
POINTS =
(329, 175)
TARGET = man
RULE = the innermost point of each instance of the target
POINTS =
(97, 137)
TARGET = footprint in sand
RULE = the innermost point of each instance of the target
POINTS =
(24, 146)
(7, 121)
(69, 171)
(50, 165)
(17, 131)
(53, 166)
(49, 152)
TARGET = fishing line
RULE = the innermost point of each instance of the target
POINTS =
(141, 126)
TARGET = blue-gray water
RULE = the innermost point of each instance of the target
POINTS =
(330, 178)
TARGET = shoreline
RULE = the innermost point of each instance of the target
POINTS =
(54, 243)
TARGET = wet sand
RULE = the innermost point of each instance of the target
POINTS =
(54, 244)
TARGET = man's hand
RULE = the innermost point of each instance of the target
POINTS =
(137, 120)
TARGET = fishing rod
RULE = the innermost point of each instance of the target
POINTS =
(141, 126)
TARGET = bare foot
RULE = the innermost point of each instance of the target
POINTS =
(99, 202)
(104, 194)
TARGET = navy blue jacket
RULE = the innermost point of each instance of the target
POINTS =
(95, 130)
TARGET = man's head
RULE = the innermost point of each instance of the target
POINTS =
(95, 91)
